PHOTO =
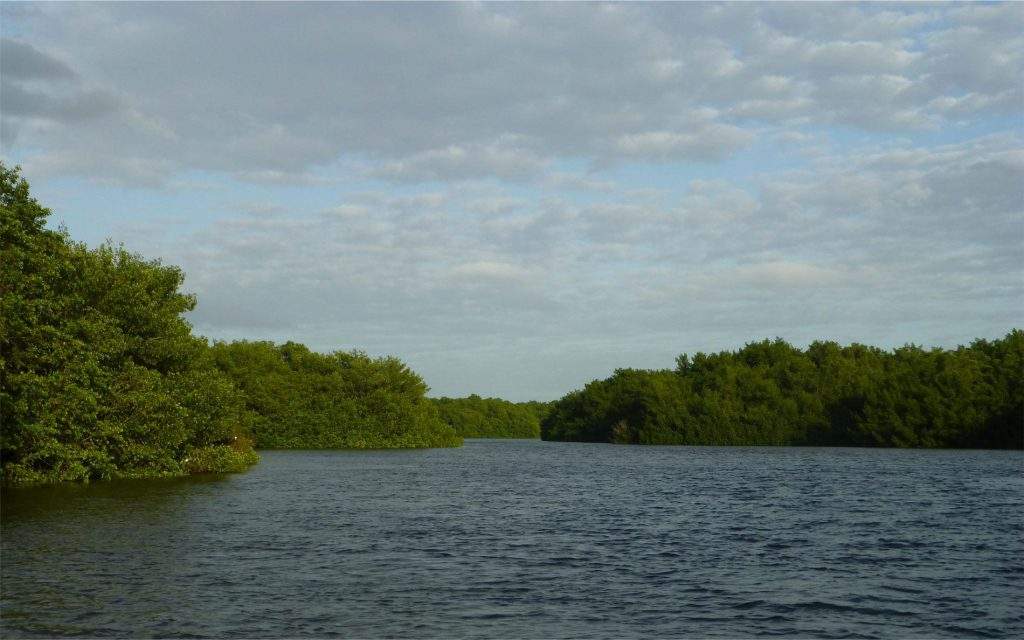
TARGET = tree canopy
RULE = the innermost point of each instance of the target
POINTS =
(771, 393)
(100, 376)
(476, 417)
(307, 400)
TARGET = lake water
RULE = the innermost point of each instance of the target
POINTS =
(530, 539)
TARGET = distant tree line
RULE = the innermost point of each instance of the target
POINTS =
(476, 417)
(771, 393)
(101, 376)
(306, 400)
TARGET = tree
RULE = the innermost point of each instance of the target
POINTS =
(770, 393)
(100, 376)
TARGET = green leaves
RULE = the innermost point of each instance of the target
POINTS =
(343, 400)
(476, 417)
(770, 393)
(101, 376)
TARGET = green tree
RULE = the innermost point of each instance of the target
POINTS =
(100, 376)
(306, 400)
(770, 393)
(476, 417)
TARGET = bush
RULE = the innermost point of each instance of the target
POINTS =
(100, 376)
(770, 393)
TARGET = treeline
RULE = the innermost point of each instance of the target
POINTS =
(771, 393)
(306, 400)
(476, 417)
(101, 377)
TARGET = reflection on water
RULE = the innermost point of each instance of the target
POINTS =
(530, 539)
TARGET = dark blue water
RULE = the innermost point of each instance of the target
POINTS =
(531, 539)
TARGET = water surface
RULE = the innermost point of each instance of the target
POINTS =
(531, 539)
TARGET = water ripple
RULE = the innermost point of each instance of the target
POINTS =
(530, 539)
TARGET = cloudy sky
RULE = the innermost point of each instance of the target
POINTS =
(518, 198)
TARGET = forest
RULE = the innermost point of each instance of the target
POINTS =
(772, 393)
(301, 399)
(476, 417)
(101, 376)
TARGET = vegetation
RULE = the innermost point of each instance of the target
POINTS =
(307, 400)
(476, 417)
(100, 377)
(538, 409)
(771, 393)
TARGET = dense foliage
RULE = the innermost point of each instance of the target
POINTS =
(100, 377)
(476, 417)
(770, 393)
(538, 409)
(307, 400)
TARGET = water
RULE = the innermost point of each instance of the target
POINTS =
(531, 539)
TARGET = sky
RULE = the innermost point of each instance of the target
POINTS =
(516, 199)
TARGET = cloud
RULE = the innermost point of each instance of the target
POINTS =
(877, 244)
(710, 142)
(463, 92)
(40, 93)
(496, 190)
(277, 177)
(783, 274)
(489, 270)
(348, 211)
(104, 168)
(501, 159)
(73, 106)
(496, 205)
(576, 182)
(21, 61)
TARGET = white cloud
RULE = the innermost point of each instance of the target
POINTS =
(348, 211)
(787, 275)
(605, 185)
(707, 142)
(501, 159)
(489, 270)
(576, 182)
(457, 92)
(867, 238)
